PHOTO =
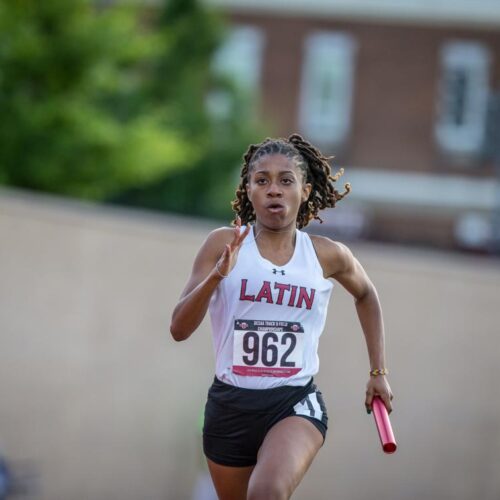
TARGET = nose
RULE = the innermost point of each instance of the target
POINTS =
(274, 190)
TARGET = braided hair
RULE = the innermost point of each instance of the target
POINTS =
(314, 167)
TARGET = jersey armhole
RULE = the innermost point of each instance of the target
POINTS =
(317, 261)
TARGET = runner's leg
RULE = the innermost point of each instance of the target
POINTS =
(284, 457)
(231, 483)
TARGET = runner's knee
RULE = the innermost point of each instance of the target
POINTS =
(268, 489)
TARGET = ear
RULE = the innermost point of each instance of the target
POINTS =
(306, 191)
(249, 192)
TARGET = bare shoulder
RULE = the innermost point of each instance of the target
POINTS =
(217, 239)
(211, 249)
(221, 234)
(333, 256)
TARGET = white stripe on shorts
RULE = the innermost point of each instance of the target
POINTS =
(317, 407)
(309, 407)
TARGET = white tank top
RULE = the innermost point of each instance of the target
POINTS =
(267, 319)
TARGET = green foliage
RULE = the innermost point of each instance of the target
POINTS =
(75, 116)
(207, 186)
(111, 104)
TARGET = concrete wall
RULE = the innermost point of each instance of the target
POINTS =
(95, 394)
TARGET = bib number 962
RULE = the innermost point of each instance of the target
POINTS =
(267, 348)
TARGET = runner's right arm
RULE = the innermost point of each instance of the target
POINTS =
(215, 258)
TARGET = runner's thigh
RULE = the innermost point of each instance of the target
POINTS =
(231, 483)
(284, 457)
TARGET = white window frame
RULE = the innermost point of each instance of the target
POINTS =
(240, 58)
(471, 61)
(325, 110)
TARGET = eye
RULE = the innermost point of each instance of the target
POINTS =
(261, 181)
(287, 180)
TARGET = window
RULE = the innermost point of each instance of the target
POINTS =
(238, 59)
(463, 98)
(327, 87)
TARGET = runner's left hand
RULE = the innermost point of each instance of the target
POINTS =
(378, 386)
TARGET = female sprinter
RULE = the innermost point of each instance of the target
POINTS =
(267, 285)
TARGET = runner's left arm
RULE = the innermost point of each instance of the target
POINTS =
(351, 275)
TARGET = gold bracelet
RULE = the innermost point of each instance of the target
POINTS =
(218, 270)
(379, 371)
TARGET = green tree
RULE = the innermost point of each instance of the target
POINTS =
(76, 117)
(110, 103)
(191, 33)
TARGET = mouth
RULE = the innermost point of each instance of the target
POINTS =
(275, 207)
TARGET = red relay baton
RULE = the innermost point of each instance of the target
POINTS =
(383, 425)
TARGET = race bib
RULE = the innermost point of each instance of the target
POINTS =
(267, 348)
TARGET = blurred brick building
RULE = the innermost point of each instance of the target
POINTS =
(401, 92)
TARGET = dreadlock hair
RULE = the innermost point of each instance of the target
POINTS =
(314, 167)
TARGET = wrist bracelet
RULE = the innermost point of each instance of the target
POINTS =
(218, 270)
(379, 371)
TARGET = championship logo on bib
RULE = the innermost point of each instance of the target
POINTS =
(267, 348)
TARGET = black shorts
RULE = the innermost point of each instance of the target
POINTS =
(237, 420)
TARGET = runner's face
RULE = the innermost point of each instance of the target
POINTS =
(276, 189)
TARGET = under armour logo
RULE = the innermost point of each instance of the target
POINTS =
(276, 271)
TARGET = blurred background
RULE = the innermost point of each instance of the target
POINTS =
(123, 128)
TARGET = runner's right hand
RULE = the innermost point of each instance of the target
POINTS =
(229, 256)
